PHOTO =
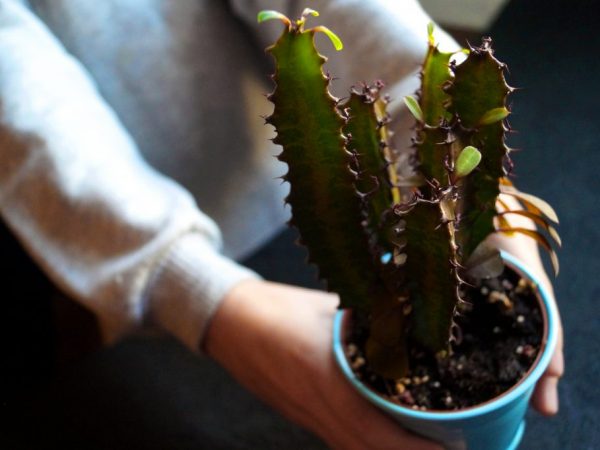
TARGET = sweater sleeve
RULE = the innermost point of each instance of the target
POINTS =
(383, 39)
(125, 241)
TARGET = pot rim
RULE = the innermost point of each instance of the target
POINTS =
(548, 345)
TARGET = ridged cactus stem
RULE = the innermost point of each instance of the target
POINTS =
(431, 250)
(325, 204)
(431, 277)
(367, 140)
(478, 105)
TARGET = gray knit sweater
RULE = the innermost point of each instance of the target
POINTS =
(126, 124)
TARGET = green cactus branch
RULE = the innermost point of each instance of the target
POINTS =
(478, 87)
(386, 348)
(478, 97)
(432, 135)
(430, 250)
(431, 276)
(368, 142)
(435, 74)
(325, 204)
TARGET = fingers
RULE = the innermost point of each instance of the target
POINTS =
(379, 433)
(362, 425)
(545, 397)
(392, 436)
(556, 368)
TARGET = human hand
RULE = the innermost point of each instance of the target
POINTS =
(545, 395)
(276, 340)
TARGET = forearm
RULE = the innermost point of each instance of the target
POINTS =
(73, 188)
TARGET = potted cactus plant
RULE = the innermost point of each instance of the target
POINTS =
(428, 308)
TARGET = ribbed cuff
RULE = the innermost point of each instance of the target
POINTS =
(188, 286)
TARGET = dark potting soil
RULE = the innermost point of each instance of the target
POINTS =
(499, 338)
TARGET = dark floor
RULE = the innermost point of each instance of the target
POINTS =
(149, 393)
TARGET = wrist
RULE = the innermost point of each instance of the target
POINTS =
(187, 286)
(232, 318)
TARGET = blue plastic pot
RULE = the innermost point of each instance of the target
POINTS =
(497, 424)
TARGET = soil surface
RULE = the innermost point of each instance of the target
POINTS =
(498, 340)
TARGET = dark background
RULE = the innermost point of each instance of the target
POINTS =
(150, 393)
(552, 51)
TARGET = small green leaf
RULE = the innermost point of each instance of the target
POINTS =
(466, 162)
(269, 14)
(334, 38)
(494, 115)
(414, 107)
